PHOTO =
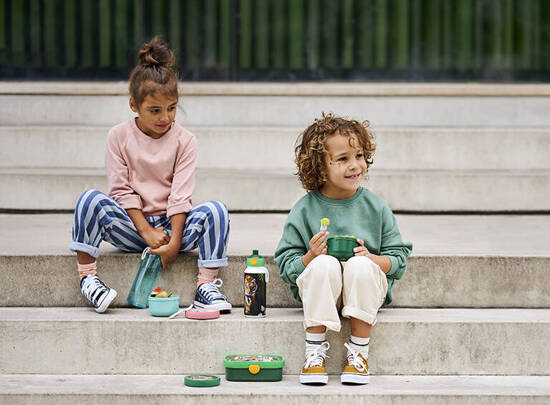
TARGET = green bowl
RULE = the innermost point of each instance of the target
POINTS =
(164, 306)
(341, 247)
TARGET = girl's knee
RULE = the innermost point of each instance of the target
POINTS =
(89, 193)
(216, 212)
(213, 207)
(221, 208)
(88, 196)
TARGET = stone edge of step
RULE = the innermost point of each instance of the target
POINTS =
(20, 385)
(285, 315)
(285, 89)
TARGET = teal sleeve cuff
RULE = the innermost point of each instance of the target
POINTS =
(298, 266)
(394, 266)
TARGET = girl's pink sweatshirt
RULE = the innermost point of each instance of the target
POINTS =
(156, 176)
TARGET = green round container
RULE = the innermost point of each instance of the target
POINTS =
(164, 306)
(202, 380)
(341, 247)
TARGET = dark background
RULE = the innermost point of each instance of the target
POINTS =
(281, 40)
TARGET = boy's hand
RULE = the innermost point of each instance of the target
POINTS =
(361, 250)
(168, 253)
(318, 245)
(155, 237)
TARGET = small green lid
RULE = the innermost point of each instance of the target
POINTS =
(202, 380)
(255, 260)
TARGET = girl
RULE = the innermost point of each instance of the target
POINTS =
(333, 157)
(150, 162)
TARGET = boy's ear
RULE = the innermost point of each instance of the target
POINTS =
(133, 106)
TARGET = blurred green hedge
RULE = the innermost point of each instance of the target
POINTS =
(486, 40)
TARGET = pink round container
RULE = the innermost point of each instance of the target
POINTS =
(202, 313)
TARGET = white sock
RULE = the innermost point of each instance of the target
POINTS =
(360, 345)
(207, 275)
(314, 341)
(315, 338)
(87, 269)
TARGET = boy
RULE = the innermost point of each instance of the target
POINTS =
(333, 156)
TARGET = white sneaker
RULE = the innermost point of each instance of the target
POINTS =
(314, 370)
(95, 291)
(356, 370)
(209, 296)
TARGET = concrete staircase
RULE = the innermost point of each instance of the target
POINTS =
(441, 148)
(471, 318)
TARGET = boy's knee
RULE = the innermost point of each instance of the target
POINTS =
(322, 268)
(361, 267)
(326, 266)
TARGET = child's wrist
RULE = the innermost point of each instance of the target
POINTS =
(172, 243)
(145, 230)
(307, 258)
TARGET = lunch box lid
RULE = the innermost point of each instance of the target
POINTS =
(202, 380)
(261, 360)
(343, 237)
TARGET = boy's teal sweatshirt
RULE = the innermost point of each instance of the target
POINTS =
(364, 215)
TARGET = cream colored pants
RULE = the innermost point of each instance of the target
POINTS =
(320, 285)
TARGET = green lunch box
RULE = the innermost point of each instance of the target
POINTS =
(254, 367)
(341, 247)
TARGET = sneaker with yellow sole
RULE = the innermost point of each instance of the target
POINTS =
(314, 370)
(356, 370)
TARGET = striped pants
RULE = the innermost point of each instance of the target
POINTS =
(99, 218)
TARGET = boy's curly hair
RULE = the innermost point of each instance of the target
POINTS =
(311, 147)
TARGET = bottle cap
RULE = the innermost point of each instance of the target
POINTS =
(202, 380)
(255, 260)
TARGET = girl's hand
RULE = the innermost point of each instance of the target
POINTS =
(155, 237)
(168, 253)
(317, 244)
(361, 250)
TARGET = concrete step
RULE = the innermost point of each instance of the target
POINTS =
(271, 148)
(350, 89)
(243, 189)
(295, 105)
(486, 282)
(404, 341)
(457, 261)
(169, 389)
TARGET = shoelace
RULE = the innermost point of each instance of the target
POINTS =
(354, 359)
(91, 285)
(316, 357)
(211, 289)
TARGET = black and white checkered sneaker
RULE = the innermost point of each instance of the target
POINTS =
(99, 295)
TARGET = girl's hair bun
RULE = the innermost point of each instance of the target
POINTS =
(156, 53)
(154, 73)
